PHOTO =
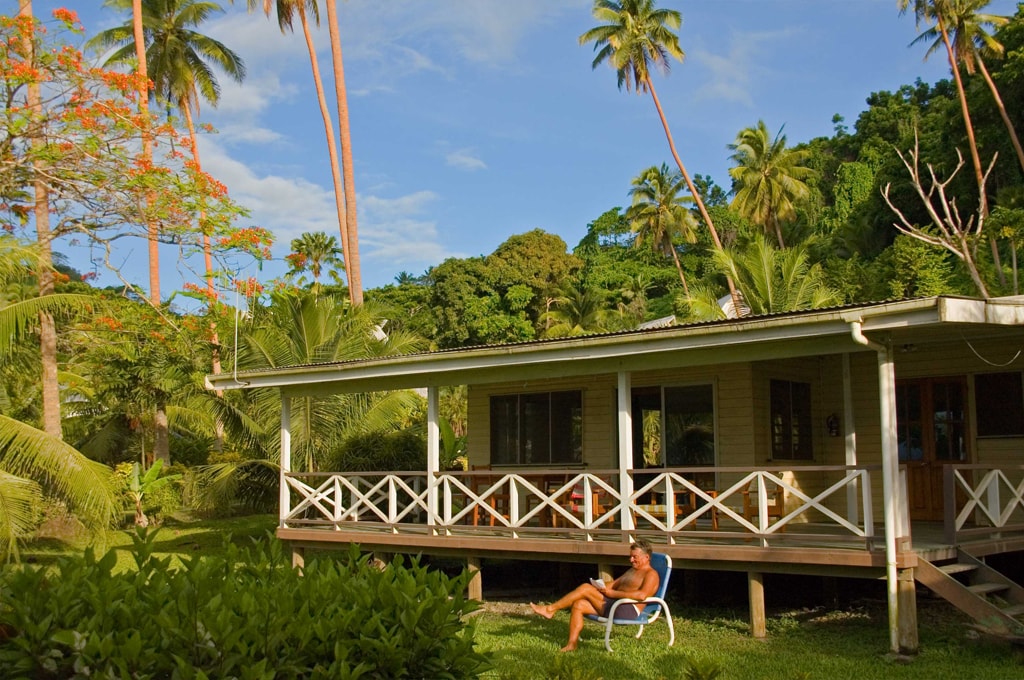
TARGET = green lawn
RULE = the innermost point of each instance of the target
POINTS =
(177, 539)
(801, 644)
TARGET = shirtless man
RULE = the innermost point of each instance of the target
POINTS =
(639, 583)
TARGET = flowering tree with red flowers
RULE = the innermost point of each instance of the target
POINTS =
(78, 145)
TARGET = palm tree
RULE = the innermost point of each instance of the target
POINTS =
(286, 11)
(311, 252)
(32, 461)
(301, 328)
(41, 214)
(768, 178)
(147, 145)
(658, 214)
(634, 35)
(970, 41)
(296, 328)
(770, 280)
(351, 243)
(577, 311)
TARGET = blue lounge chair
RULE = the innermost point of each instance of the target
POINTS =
(662, 564)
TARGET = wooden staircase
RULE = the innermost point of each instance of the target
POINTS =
(981, 592)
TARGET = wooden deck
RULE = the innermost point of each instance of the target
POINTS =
(579, 516)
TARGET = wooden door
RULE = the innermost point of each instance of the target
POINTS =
(931, 416)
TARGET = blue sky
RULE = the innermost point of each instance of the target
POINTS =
(473, 120)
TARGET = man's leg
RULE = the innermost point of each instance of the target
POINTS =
(584, 591)
(579, 609)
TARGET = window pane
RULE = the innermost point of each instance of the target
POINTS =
(790, 414)
(504, 429)
(566, 427)
(801, 401)
(1000, 404)
(689, 426)
(535, 419)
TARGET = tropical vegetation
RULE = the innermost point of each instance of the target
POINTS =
(922, 194)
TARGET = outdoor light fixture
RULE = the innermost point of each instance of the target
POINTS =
(832, 423)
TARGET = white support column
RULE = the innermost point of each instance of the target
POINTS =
(890, 472)
(625, 414)
(850, 435)
(286, 457)
(433, 451)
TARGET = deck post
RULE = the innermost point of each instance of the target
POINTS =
(850, 435)
(298, 557)
(625, 415)
(475, 589)
(286, 459)
(890, 471)
(907, 612)
(433, 452)
(755, 588)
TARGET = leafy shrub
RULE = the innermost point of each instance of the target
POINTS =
(405, 450)
(247, 614)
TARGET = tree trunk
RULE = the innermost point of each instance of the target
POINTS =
(971, 142)
(332, 149)
(1002, 111)
(355, 285)
(41, 210)
(147, 147)
(679, 267)
(211, 293)
(693, 192)
(161, 438)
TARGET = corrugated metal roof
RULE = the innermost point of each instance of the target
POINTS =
(624, 334)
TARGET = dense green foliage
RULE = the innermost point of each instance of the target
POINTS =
(245, 613)
(131, 372)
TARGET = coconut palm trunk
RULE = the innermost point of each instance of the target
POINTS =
(979, 173)
(733, 293)
(679, 267)
(41, 213)
(332, 149)
(350, 239)
(1002, 110)
(147, 147)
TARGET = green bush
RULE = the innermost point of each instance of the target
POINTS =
(405, 450)
(247, 614)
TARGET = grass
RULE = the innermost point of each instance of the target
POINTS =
(801, 644)
(178, 539)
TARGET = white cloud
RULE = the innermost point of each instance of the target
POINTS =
(287, 206)
(394, 231)
(465, 159)
(735, 74)
(402, 37)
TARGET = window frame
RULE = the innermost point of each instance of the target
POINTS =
(795, 418)
(571, 403)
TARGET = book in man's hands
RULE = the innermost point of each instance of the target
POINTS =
(597, 583)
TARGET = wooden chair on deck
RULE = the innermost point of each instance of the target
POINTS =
(685, 503)
(498, 501)
(571, 499)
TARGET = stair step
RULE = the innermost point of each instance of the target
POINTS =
(1014, 610)
(957, 568)
(985, 588)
